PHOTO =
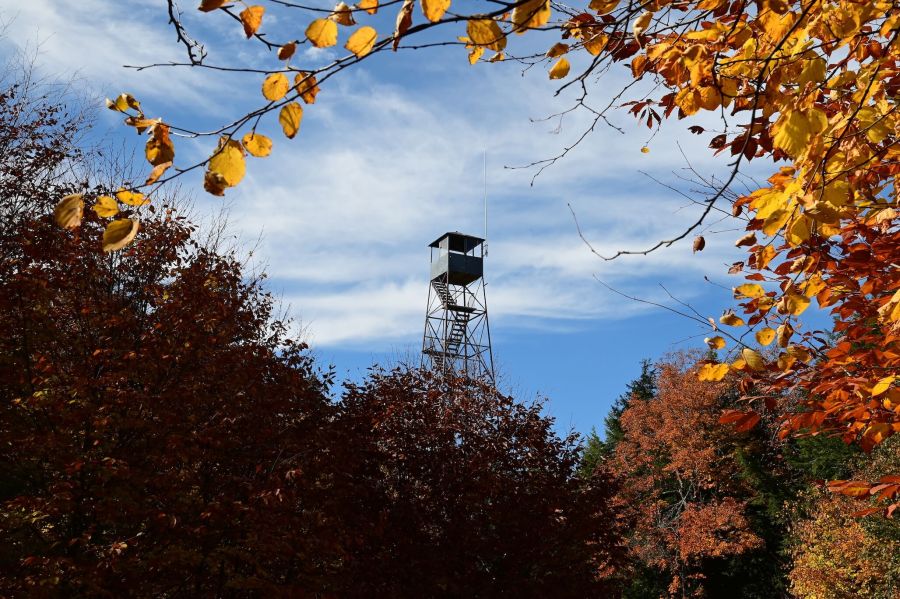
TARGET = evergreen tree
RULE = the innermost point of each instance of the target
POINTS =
(596, 449)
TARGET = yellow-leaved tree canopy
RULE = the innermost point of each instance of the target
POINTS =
(808, 86)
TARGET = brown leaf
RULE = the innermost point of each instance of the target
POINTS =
(287, 50)
(404, 20)
(747, 240)
(343, 15)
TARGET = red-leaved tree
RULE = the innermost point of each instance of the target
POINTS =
(459, 491)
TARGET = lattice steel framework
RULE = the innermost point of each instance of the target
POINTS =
(457, 337)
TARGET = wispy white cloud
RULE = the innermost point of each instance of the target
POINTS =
(387, 160)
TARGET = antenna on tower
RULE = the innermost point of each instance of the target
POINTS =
(485, 204)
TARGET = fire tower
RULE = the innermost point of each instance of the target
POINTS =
(457, 338)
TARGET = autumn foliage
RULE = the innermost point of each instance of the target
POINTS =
(161, 435)
(458, 491)
(836, 552)
(808, 87)
(160, 431)
(680, 482)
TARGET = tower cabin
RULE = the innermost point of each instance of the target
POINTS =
(459, 259)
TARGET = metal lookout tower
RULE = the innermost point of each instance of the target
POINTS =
(457, 339)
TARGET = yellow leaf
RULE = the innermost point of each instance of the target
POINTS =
(688, 100)
(362, 41)
(69, 210)
(645, 150)
(753, 358)
(698, 61)
(157, 172)
(710, 98)
(487, 33)
(749, 290)
(228, 162)
(322, 33)
(257, 144)
(119, 233)
(159, 147)
(131, 198)
(769, 201)
(140, 124)
(890, 311)
(275, 87)
(306, 86)
(530, 14)
(596, 44)
(603, 7)
(370, 6)
(785, 362)
(716, 342)
(798, 230)
(712, 372)
(837, 193)
(765, 336)
(435, 9)
(876, 126)
(289, 118)
(475, 54)
(287, 50)
(783, 333)
(106, 206)
(793, 304)
(764, 256)
(123, 103)
(208, 5)
(342, 15)
(560, 69)
(883, 385)
(890, 24)
(813, 285)
(739, 364)
(793, 130)
(813, 72)
(558, 49)
(731, 319)
(251, 19)
(777, 220)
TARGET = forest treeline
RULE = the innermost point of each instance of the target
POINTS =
(161, 435)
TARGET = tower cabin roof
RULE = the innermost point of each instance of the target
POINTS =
(457, 242)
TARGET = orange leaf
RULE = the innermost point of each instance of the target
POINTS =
(852, 488)
(251, 18)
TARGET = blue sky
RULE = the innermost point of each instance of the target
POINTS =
(388, 158)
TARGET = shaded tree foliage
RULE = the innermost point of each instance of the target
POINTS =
(462, 492)
(151, 406)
